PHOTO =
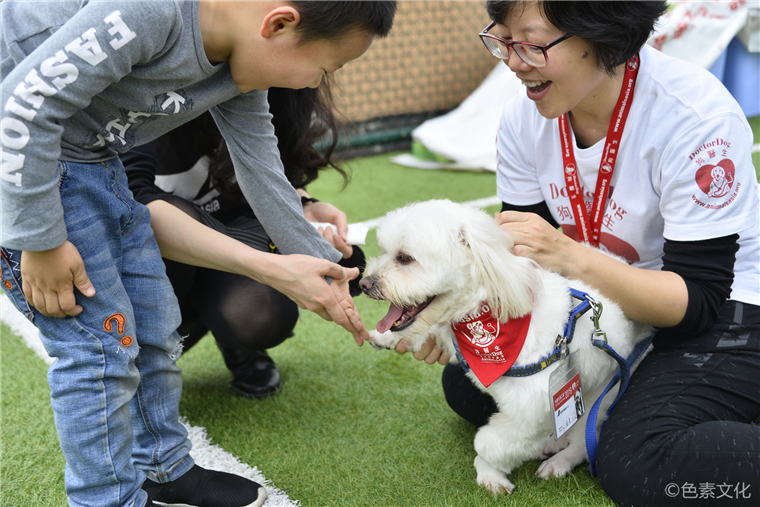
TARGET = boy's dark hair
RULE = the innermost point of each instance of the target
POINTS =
(615, 31)
(332, 20)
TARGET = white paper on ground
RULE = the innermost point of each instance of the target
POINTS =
(699, 32)
(357, 233)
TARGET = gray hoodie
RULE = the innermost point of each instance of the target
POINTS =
(84, 81)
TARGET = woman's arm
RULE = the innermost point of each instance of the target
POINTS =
(557, 252)
(658, 298)
(300, 277)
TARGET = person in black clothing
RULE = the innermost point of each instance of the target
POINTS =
(191, 169)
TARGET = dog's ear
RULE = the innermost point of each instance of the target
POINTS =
(509, 281)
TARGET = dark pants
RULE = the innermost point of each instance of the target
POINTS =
(682, 434)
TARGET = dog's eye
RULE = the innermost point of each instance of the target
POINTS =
(403, 258)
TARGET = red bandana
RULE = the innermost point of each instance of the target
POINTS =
(490, 347)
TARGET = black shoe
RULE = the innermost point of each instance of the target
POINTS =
(205, 488)
(254, 373)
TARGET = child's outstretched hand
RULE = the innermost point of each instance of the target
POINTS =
(49, 277)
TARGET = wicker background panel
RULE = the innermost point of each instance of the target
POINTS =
(432, 60)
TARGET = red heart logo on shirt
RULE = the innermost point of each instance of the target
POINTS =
(716, 180)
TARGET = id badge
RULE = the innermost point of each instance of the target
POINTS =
(565, 394)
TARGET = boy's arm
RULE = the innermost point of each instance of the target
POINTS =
(246, 125)
(43, 84)
(50, 82)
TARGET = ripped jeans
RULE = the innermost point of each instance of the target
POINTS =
(115, 386)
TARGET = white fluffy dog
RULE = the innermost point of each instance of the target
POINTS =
(441, 262)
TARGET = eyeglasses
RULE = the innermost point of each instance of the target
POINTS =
(532, 54)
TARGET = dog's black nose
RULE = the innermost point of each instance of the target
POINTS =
(367, 283)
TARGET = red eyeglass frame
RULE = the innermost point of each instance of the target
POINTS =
(509, 45)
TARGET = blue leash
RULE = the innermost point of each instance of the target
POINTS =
(624, 375)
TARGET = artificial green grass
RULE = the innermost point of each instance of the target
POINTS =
(357, 427)
(379, 185)
(31, 463)
(352, 427)
(754, 122)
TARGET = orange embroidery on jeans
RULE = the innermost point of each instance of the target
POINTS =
(8, 285)
(120, 322)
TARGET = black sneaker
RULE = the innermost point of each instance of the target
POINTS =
(206, 488)
(254, 373)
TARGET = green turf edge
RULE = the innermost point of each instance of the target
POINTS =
(754, 122)
(31, 463)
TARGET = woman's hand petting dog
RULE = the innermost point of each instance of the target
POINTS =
(536, 239)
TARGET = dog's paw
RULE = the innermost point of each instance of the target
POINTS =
(553, 446)
(491, 478)
(383, 341)
(562, 463)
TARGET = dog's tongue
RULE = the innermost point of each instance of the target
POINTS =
(394, 313)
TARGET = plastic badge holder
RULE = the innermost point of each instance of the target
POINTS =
(566, 395)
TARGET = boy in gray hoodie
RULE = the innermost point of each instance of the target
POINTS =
(85, 81)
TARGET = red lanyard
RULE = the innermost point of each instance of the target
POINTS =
(588, 230)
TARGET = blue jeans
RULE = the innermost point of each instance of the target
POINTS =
(114, 385)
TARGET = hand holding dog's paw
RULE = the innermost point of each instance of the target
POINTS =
(431, 353)
(491, 478)
(350, 318)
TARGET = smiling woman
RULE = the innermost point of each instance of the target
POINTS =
(600, 151)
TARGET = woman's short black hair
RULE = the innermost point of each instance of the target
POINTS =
(332, 20)
(615, 31)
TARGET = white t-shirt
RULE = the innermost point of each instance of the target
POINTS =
(684, 169)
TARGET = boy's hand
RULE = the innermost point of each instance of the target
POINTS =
(343, 295)
(49, 277)
(302, 279)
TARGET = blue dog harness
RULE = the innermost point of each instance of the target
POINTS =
(559, 346)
